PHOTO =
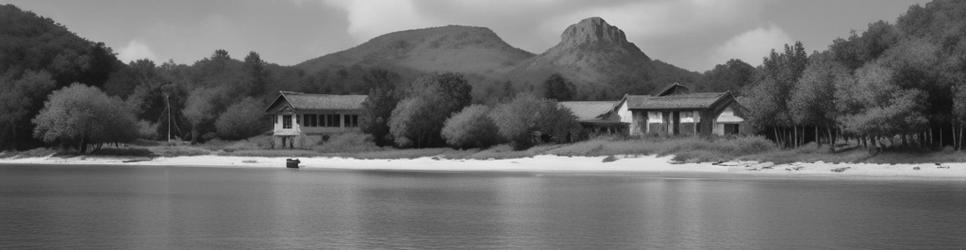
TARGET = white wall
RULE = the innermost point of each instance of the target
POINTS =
(625, 115)
(655, 117)
(279, 130)
(728, 116)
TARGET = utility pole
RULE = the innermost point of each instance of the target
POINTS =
(167, 106)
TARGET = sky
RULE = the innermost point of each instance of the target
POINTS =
(692, 34)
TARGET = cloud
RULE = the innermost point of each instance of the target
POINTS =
(368, 19)
(750, 46)
(135, 50)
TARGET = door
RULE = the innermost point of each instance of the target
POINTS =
(731, 129)
(676, 123)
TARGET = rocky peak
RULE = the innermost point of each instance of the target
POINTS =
(593, 30)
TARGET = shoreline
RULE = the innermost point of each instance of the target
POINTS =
(551, 164)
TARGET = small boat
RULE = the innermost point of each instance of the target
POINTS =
(292, 163)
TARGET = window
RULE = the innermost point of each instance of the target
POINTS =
(311, 121)
(337, 119)
(329, 122)
(321, 121)
(286, 121)
(351, 121)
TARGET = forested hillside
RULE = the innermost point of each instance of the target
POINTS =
(37, 56)
(901, 84)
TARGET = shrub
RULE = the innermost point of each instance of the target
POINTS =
(471, 127)
(348, 143)
(147, 130)
(528, 120)
(241, 120)
(418, 119)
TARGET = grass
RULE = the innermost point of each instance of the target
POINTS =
(37, 152)
(684, 149)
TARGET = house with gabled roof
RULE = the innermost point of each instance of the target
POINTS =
(303, 119)
(676, 111)
(595, 117)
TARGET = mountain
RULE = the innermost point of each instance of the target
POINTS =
(593, 54)
(464, 49)
(35, 43)
(603, 64)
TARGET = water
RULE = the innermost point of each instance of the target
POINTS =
(173, 207)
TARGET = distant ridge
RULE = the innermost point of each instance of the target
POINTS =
(465, 49)
(593, 54)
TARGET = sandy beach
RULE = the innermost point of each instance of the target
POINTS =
(542, 163)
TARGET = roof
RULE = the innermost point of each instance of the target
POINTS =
(671, 89)
(589, 110)
(681, 101)
(308, 101)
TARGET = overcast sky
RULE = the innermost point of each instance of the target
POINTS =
(694, 34)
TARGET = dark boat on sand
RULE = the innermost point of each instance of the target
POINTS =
(292, 163)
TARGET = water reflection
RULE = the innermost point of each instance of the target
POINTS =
(154, 207)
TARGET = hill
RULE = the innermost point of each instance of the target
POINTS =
(600, 60)
(38, 55)
(592, 53)
(476, 52)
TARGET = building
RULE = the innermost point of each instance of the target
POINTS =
(595, 117)
(302, 119)
(676, 111)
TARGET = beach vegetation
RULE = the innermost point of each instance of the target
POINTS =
(528, 120)
(84, 118)
(242, 120)
(472, 127)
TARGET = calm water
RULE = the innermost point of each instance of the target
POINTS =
(170, 207)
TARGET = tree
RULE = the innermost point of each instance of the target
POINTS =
(20, 99)
(81, 116)
(959, 116)
(556, 87)
(418, 119)
(875, 106)
(122, 83)
(257, 74)
(857, 50)
(812, 101)
(199, 111)
(527, 120)
(241, 120)
(471, 128)
(412, 124)
(731, 76)
(378, 106)
(768, 109)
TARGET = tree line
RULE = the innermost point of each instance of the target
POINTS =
(893, 85)
(436, 110)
